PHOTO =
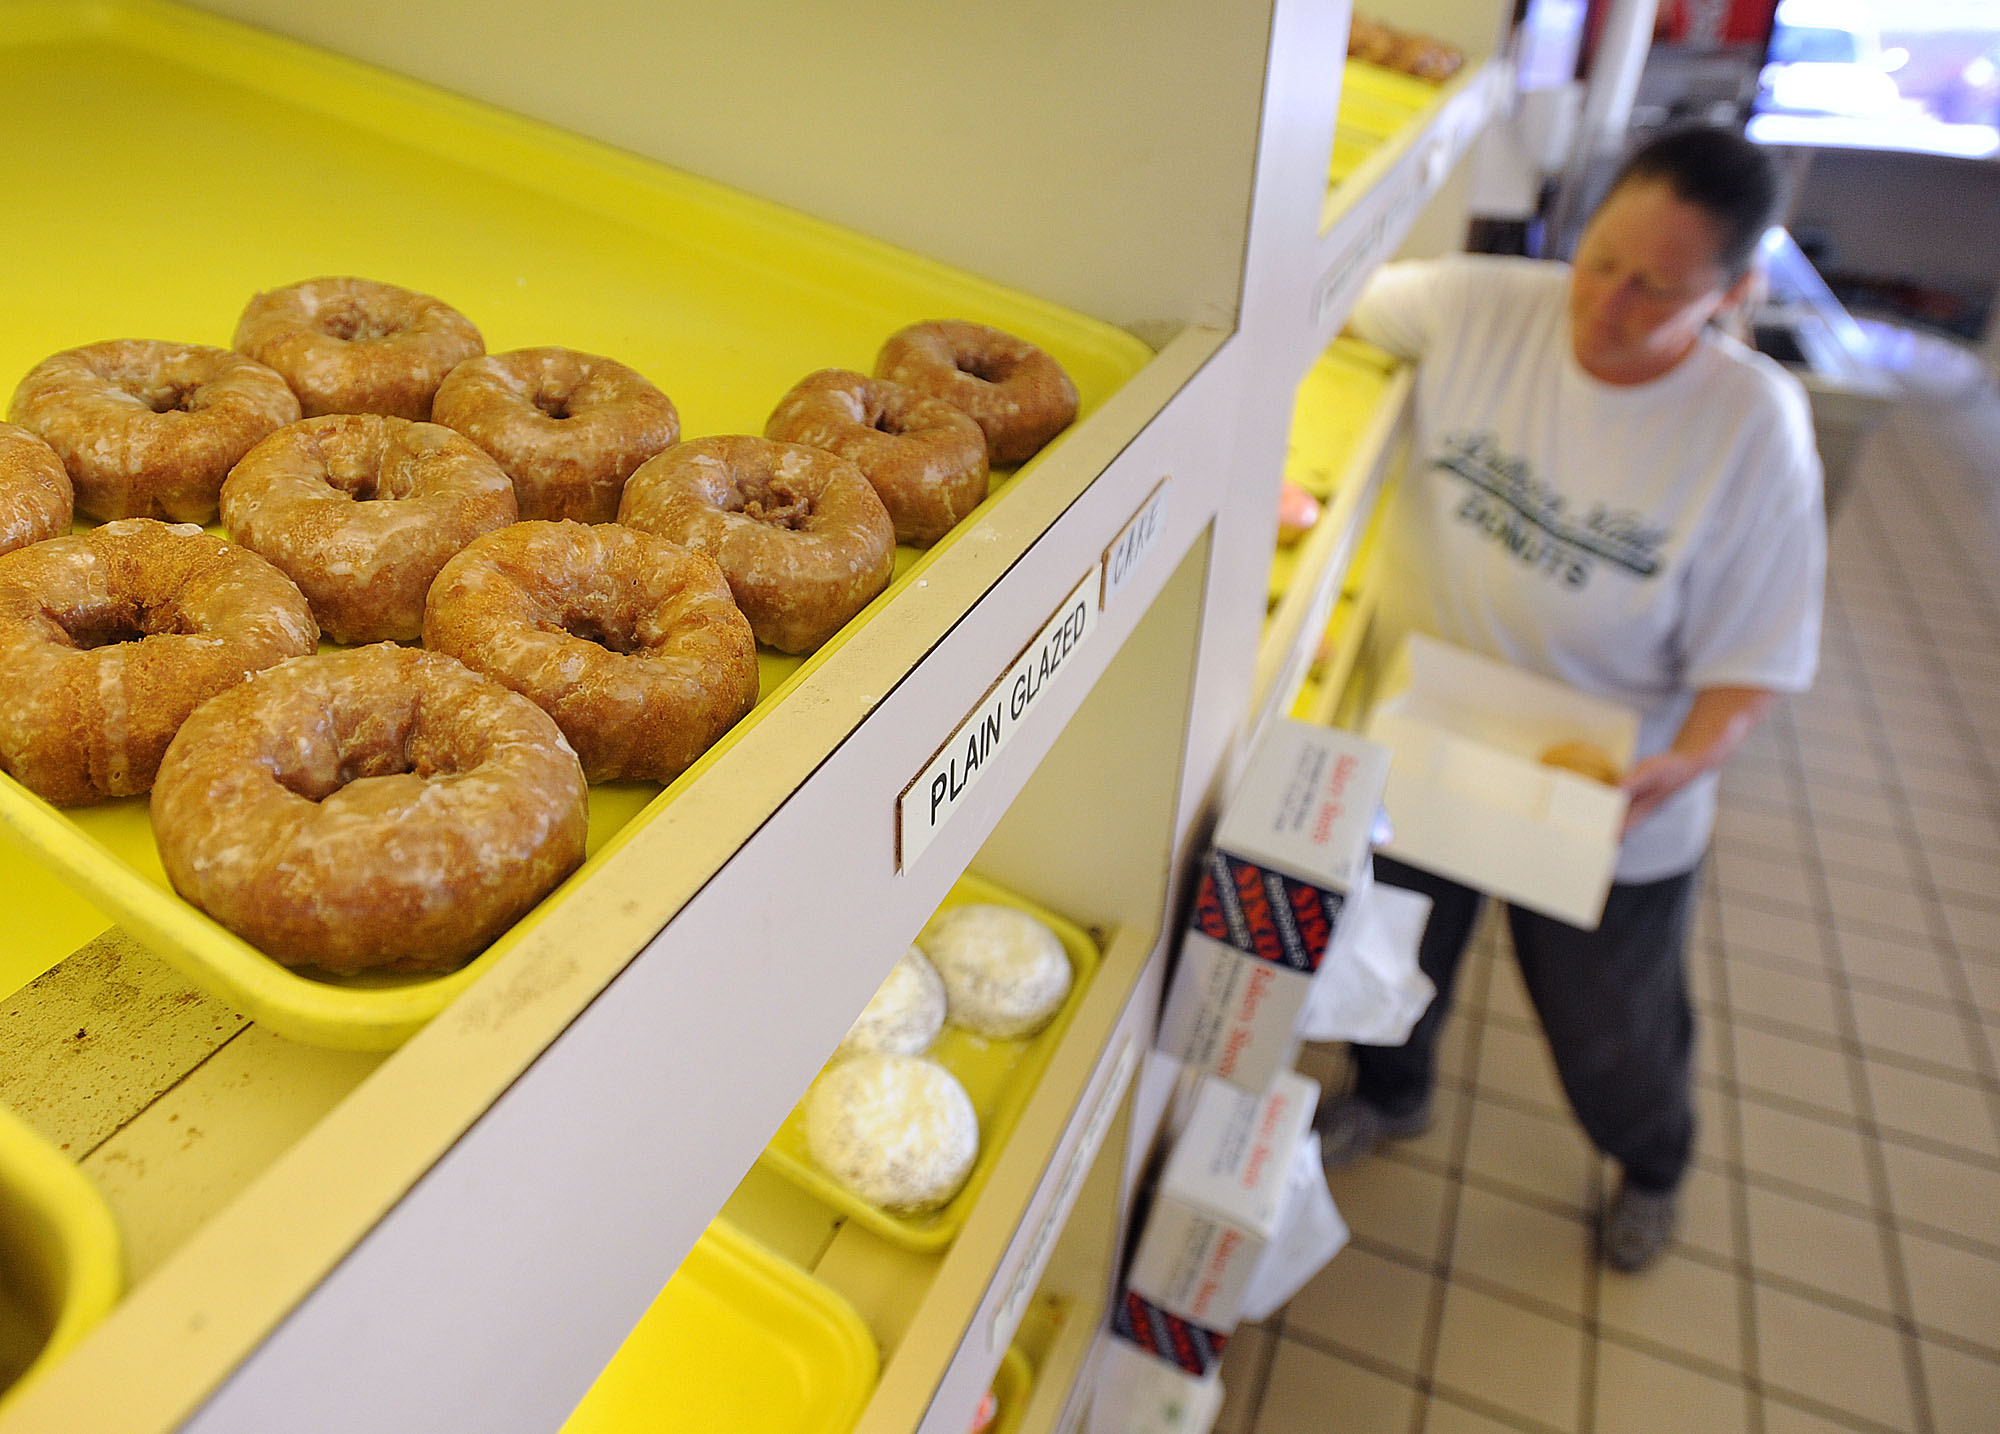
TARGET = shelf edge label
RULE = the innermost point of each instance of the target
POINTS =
(936, 793)
(1376, 227)
(1007, 1315)
(1135, 542)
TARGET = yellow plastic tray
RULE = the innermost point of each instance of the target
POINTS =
(1386, 86)
(1012, 1384)
(46, 918)
(1375, 104)
(166, 164)
(1350, 148)
(1336, 399)
(61, 1266)
(741, 1340)
(999, 1075)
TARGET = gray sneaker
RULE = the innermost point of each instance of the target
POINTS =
(1350, 1128)
(1638, 1225)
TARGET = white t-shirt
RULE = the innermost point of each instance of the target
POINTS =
(1640, 542)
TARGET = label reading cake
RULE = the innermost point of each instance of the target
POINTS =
(1135, 542)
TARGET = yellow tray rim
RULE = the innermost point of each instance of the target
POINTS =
(43, 1179)
(731, 1257)
(366, 1014)
(1346, 360)
(1013, 1383)
(936, 1229)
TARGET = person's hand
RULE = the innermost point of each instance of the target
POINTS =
(1652, 781)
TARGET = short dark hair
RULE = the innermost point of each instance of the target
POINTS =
(1720, 172)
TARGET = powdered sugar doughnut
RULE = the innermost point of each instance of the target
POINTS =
(899, 1131)
(904, 1017)
(1005, 974)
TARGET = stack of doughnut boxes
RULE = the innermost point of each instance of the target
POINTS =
(1273, 907)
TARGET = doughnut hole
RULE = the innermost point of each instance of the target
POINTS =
(376, 746)
(986, 366)
(348, 321)
(114, 620)
(770, 500)
(553, 402)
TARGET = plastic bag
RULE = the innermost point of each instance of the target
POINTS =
(1310, 1232)
(1368, 988)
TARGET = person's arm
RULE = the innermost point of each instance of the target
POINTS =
(1718, 723)
(1398, 309)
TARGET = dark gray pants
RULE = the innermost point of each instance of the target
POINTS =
(1613, 1003)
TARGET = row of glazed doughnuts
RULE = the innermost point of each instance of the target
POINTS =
(1422, 56)
(568, 427)
(632, 644)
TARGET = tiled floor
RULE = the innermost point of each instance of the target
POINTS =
(1838, 1267)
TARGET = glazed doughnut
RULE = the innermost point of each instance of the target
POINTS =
(380, 808)
(801, 536)
(1017, 394)
(1586, 759)
(36, 500)
(1425, 58)
(110, 638)
(925, 459)
(358, 346)
(148, 429)
(361, 511)
(631, 643)
(1370, 40)
(568, 427)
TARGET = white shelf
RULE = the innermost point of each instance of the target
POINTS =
(1292, 632)
(1368, 213)
(470, 1228)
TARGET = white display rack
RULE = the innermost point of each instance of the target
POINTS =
(1369, 213)
(459, 1235)
(1292, 633)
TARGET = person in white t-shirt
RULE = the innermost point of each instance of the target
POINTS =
(1608, 491)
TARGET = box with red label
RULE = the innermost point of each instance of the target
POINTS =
(1216, 1209)
(1132, 1393)
(1290, 856)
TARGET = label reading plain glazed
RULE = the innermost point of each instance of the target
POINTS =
(937, 792)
